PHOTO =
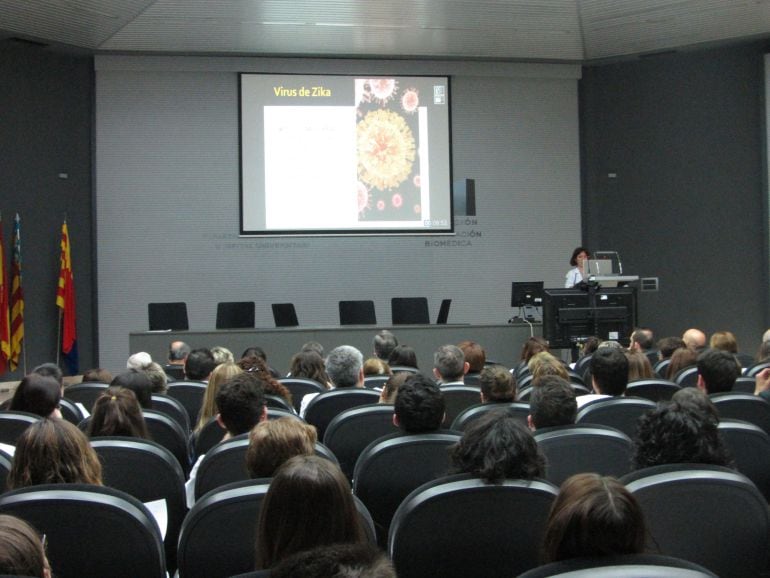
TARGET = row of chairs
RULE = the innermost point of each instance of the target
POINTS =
(241, 314)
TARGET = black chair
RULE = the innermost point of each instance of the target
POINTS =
(300, 387)
(223, 464)
(457, 398)
(220, 531)
(403, 369)
(209, 436)
(749, 446)
(745, 384)
(147, 471)
(190, 394)
(284, 315)
(582, 365)
(686, 377)
(460, 526)
(575, 378)
(654, 389)
(277, 402)
(164, 316)
(622, 413)
(92, 531)
(70, 411)
(712, 516)
(753, 370)
(324, 407)
(745, 359)
(472, 378)
(13, 424)
(443, 312)
(661, 368)
(409, 311)
(173, 408)
(570, 450)
(85, 393)
(5, 468)
(743, 406)
(168, 433)
(622, 566)
(357, 313)
(235, 315)
(390, 468)
(470, 414)
(375, 381)
(348, 434)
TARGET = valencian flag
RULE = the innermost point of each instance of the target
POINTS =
(65, 301)
(17, 296)
(5, 326)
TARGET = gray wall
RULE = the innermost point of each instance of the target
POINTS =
(684, 135)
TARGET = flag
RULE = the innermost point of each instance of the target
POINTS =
(65, 301)
(17, 296)
(5, 325)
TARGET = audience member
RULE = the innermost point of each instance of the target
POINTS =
(593, 515)
(638, 365)
(222, 355)
(139, 383)
(313, 346)
(272, 442)
(695, 399)
(725, 341)
(763, 354)
(552, 403)
(390, 387)
(97, 375)
(22, 553)
(383, 344)
(449, 365)
(609, 375)
(307, 364)
(496, 447)
(676, 433)
(158, 378)
(590, 345)
(259, 352)
(255, 364)
(717, 371)
(474, 355)
(139, 361)
(668, 345)
(220, 375)
(359, 560)
(309, 504)
(177, 355)
(53, 451)
(532, 346)
(694, 338)
(403, 356)
(199, 365)
(642, 339)
(376, 366)
(50, 370)
(116, 412)
(345, 368)
(38, 394)
(419, 406)
(681, 359)
(544, 363)
(497, 385)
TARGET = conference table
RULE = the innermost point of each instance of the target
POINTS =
(502, 342)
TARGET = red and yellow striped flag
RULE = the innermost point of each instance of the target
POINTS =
(65, 300)
(17, 296)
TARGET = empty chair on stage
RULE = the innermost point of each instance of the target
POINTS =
(164, 316)
(285, 315)
(409, 311)
(357, 313)
(235, 314)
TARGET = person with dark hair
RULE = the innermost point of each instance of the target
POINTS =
(593, 515)
(668, 345)
(578, 261)
(717, 371)
(497, 385)
(675, 433)
(383, 344)
(22, 553)
(273, 442)
(532, 346)
(390, 387)
(116, 412)
(496, 447)
(681, 359)
(642, 340)
(139, 383)
(419, 405)
(254, 364)
(449, 365)
(309, 504)
(474, 354)
(609, 374)
(695, 399)
(199, 364)
(313, 346)
(256, 351)
(38, 394)
(50, 370)
(222, 373)
(53, 451)
(403, 356)
(97, 375)
(358, 560)
(552, 403)
(308, 364)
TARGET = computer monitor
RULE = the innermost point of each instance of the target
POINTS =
(524, 293)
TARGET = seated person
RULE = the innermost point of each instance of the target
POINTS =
(342, 560)
(403, 356)
(593, 516)
(222, 373)
(38, 394)
(97, 375)
(545, 363)
(552, 404)
(139, 383)
(449, 365)
(255, 364)
(497, 385)
(345, 368)
(222, 355)
(474, 355)
(309, 504)
(609, 375)
(638, 365)
(21, 551)
(390, 387)
(717, 371)
(308, 364)
(158, 378)
(116, 412)
(419, 406)
(376, 366)
(680, 359)
(273, 442)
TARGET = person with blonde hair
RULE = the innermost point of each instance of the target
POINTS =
(545, 363)
(222, 373)
(272, 442)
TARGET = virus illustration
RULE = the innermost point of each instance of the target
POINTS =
(383, 89)
(386, 149)
(397, 200)
(363, 197)
(410, 100)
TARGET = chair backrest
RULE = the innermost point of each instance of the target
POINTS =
(300, 387)
(409, 311)
(458, 398)
(443, 312)
(357, 313)
(753, 370)
(235, 315)
(173, 408)
(661, 367)
(164, 316)
(390, 468)
(623, 566)
(285, 315)
(712, 516)
(745, 384)
(403, 369)
(168, 433)
(578, 449)
(92, 531)
(622, 413)
(190, 394)
(209, 436)
(85, 393)
(749, 446)
(348, 434)
(277, 402)
(5, 467)
(583, 365)
(13, 423)
(324, 407)
(472, 378)
(69, 411)
(223, 464)
(470, 414)
(463, 527)
(147, 471)
(687, 377)
(655, 389)
(373, 381)
(743, 406)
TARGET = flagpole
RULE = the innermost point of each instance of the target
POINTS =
(58, 338)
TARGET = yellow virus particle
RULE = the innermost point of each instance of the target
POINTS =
(386, 149)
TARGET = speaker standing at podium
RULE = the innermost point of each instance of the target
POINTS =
(578, 260)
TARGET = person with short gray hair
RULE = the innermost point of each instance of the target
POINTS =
(449, 365)
(345, 368)
(384, 343)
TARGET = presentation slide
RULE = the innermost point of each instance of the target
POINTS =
(340, 155)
